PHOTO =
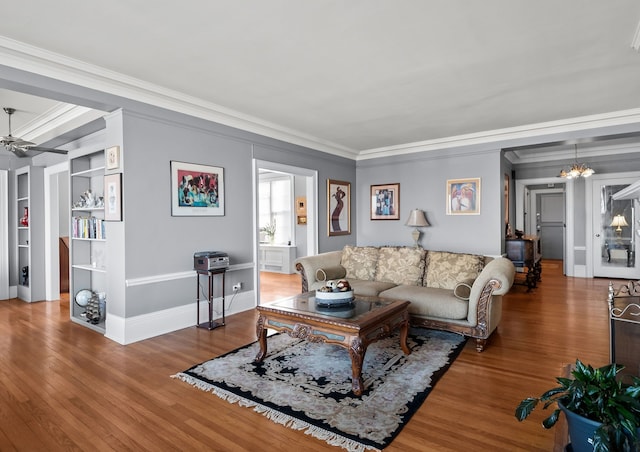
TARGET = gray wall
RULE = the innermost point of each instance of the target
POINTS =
(422, 178)
(157, 243)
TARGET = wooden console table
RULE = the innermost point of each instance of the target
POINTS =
(525, 252)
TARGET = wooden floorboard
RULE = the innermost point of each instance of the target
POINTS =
(65, 387)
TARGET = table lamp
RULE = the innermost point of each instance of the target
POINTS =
(619, 221)
(416, 220)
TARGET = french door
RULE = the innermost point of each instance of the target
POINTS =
(614, 240)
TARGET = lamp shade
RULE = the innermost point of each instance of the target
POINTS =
(619, 221)
(417, 219)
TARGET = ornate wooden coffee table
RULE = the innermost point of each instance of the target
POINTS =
(353, 328)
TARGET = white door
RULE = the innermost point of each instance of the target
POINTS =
(614, 237)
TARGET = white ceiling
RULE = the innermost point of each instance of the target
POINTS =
(357, 75)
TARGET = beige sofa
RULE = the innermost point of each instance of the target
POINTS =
(456, 292)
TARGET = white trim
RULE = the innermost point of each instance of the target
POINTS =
(567, 252)
(60, 67)
(4, 235)
(36, 60)
(133, 329)
(144, 280)
(589, 213)
(494, 137)
(312, 210)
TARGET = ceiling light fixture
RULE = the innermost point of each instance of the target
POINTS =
(577, 169)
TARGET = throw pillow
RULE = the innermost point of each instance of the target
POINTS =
(360, 262)
(401, 265)
(462, 290)
(445, 270)
(329, 273)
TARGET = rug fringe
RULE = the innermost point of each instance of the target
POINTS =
(330, 438)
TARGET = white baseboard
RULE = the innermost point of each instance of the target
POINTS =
(129, 330)
(13, 291)
(580, 271)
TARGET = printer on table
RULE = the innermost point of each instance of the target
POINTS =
(204, 261)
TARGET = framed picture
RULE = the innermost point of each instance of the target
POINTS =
(113, 197)
(385, 202)
(339, 207)
(196, 190)
(113, 157)
(463, 196)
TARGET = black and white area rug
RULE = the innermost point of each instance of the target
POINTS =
(307, 386)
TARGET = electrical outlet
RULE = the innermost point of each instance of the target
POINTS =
(237, 286)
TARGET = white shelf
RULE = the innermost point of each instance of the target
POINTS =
(86, 173)
(91, 172)
(29, 190)
(87, 209)
(90, 268)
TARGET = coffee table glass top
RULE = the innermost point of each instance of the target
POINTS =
(306, 304)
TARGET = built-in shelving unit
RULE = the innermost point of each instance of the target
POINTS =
(29, 189)
(87, 253)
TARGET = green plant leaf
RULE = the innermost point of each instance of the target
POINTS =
(525, 408)
(551, 420)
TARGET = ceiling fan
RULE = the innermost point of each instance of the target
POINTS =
(19, 146)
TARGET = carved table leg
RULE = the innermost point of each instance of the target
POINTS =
(261, 332)
(357, 351)
(404, 332)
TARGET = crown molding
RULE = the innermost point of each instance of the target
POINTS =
(497, 138)
(36, 60)
(56, 121)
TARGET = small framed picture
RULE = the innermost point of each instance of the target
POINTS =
(339, 207)
(113, 157)
(463, 196)
(113, 197)
(385, 202)
(196, 190)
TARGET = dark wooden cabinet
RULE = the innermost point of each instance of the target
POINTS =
(525, 253)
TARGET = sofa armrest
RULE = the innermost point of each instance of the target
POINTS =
(496, 278)
(308, 265)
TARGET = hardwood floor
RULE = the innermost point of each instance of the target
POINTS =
(64, 387)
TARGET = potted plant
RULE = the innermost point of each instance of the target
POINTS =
(269, 230)
(599, 399)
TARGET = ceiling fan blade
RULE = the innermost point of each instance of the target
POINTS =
(43, 149)
(22, 143)
(17, 151)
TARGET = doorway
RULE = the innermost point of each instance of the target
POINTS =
(56, 215)
(524, 213)
(547, 220)
(302, 238)
(613, 236)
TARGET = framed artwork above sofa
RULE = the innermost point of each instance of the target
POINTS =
(463, 196)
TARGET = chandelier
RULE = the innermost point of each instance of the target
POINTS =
(577, 169)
